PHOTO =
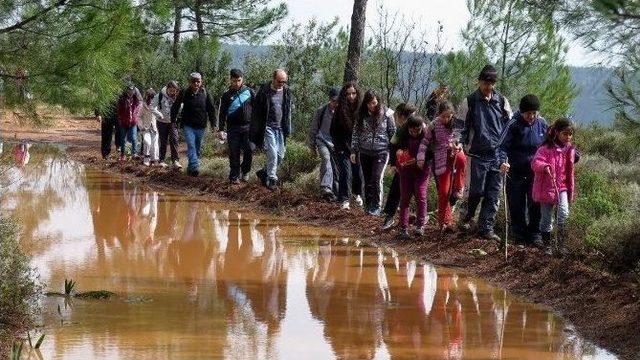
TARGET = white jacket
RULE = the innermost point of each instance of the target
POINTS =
(148, 116)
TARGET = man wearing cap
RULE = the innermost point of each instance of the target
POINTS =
(520, 140)
(197, 107)
(485, 113)
(320, 142)
(235, 117)
(271, 124)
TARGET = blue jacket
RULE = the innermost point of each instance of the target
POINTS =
(520, 141)
(484, 124)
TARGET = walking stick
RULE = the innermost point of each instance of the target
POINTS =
(555, 188)
(506, 216)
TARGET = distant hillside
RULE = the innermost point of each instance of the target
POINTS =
(591, 105)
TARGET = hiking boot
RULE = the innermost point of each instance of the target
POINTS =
(403, 233)
(244, 177)
(262, 176)
(358, 200)
(490, 235)
(177, 165)
(345, 205)
(419, 231)
(327, 194)
(388, 222)
(374, 211)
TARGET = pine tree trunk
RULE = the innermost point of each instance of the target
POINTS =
(356, 41)
(177, 24)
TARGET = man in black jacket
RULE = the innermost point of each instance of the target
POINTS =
(108, 119)
(271, 124)
(197, 108)
(235, 115)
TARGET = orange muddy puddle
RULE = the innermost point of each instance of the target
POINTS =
(199, 280)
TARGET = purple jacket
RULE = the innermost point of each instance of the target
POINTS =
(561, 161)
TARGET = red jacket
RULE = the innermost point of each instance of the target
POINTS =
(128, 110)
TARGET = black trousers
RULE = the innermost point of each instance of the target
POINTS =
(393, 198)
(372, 167)
(238, 142)
(524, 212)
(108, 129)
(168, 134)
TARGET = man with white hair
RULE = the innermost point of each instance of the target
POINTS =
(197, 108)
(271, 124)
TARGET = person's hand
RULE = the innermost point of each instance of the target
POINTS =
(421, 164)
(547, 170)
(222, 135)
(392, 169)
(353, 158)
(99, 119)
(504, 168)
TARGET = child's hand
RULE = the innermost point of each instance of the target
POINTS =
(353, 158)
(421, 164)
(504, 168)
(547, 170)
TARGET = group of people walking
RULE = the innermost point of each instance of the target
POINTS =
(482, 143)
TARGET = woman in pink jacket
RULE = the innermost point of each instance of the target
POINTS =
(554, 179)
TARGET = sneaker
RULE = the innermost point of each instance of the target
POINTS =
(146, 162)
(419, 231)
(271, 184)
(490, 235)
(345, 205)
(162, 164)
(358, 200)
(234, 181)
(403, 233)
(177, 165)
(327, 194)
(374, 212)
(388, 222)
(244, 177)
(262, 176)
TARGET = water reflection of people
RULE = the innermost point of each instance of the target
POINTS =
(21, 153)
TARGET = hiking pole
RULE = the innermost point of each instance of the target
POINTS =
(555, 188)
(506, 216)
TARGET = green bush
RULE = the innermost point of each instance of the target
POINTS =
(298, 160)
(618, 240)
(615, 145)
(18, 289)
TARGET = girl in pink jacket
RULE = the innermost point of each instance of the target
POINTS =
(554, 179)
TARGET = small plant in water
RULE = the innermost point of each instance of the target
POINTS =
(69, 285)
(38, 343)
(16, 351)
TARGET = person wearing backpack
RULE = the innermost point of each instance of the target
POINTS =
(235, 116)
(197, 109)
(485, 113)
(519, 143)
(129, 105)
(167, 130)
(402, 113)
(320, 142)
(449, 163)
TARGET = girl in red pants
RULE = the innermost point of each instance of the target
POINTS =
(449, 163)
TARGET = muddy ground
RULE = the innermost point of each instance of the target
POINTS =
(604, 309)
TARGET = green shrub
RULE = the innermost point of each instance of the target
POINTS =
(298, 160)
(618, 240)
(305, 184)
(18, 289)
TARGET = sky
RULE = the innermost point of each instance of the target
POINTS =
(453, 15)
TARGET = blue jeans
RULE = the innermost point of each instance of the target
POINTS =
(130, 133)
(193, 137)
(546, 221)
(326, 167)
(344, 175)
(274, 149)
(485, 186)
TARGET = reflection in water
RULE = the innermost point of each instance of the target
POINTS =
(198, 281)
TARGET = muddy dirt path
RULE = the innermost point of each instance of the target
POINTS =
(604, 309)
